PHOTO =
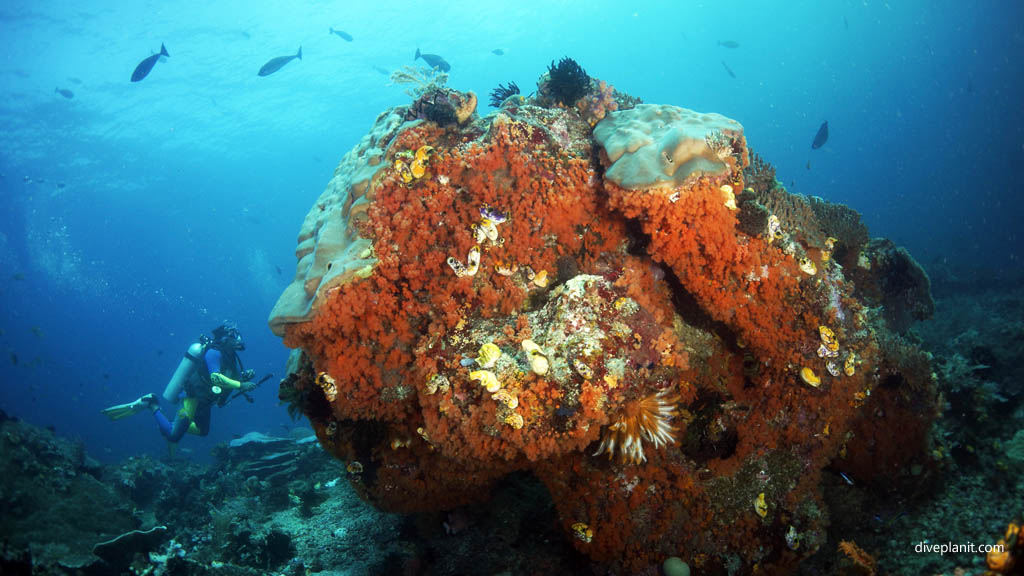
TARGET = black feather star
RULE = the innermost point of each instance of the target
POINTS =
(502, 93)
(567, 82)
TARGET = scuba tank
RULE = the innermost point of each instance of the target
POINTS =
(176, 385)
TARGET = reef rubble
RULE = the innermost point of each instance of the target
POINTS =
(264, 505)
(584, 299)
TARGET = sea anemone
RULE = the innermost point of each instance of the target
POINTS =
(567, 81)
(502, 93)
(646, 419)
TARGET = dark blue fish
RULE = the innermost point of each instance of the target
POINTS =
(276, 64)
(728, 44)
(821, 137)
(498, 52)
(65, 93)
(383, 71)
(144, 67)
(434, 61)
(341, 34)
(727, 69)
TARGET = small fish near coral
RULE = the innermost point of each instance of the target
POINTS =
(433, 60)
(144, 67)
(275, 64)
(498, 52)
(65, 93)
(340, 34)
(727, 69)
(821, 137)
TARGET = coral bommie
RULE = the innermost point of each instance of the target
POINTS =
(646, 419)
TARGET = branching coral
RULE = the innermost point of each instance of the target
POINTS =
(794, 211)
(419, 80)
(888, 275)
(759, 174)
(842, 223)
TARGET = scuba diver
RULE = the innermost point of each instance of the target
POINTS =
(210, 373)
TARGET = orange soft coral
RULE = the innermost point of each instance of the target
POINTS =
(748, 284)
(862, 562)
(668, 338)
(599, 102)
(1007, 553)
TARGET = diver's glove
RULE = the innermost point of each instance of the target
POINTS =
(221, 381)
(249, 386)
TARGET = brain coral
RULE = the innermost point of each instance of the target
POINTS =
(659, 145)
(504, 306)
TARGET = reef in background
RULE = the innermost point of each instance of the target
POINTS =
(266, 505)
(575, 290)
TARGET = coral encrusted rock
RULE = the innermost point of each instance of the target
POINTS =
(525, 294)
(330, 250)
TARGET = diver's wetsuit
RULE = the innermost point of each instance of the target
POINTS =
(194, 415)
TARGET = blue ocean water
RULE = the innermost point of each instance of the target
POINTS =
(136, 216)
